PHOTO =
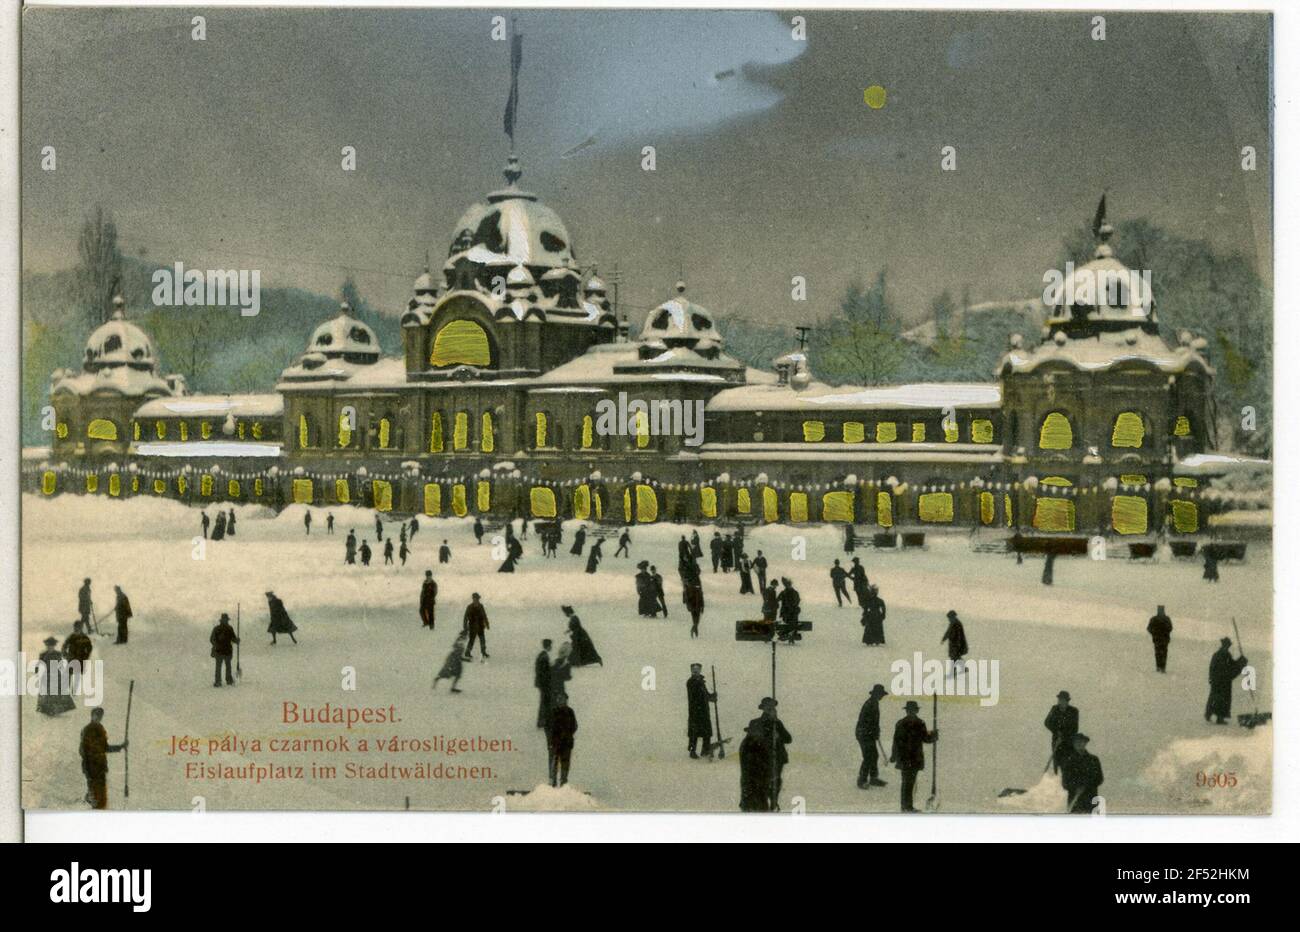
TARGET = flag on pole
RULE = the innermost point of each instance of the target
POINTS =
(512, 103)
(1098, 219)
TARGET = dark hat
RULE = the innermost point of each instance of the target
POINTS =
(428, 572)
(1080, 736)
(224, 617)
(567, 609)
(1225, 642)
(643, 564)
(911, 706)
(878, 690)
(766, 703)
(50, 642)
(697, 666)
(1063, 695)
(475, 596)
(952, 613)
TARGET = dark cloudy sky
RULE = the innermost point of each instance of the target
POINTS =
(225, 153)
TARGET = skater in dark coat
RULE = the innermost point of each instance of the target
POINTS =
(955, 636)
(54, 696)
(206, 522)
(219, 526)
(85, 605)
(646, 604)
(860, 584)
(755, 770)
(230, 524)
(444, 553)
(850, 539)
(1161, 628)
(1081, 776)
(696, 550)
(838, 576)
(559, 739)
(94, 758)
(727, 552)
(788, 602)
(760, 568)
(454, 665)
(78, 645)
(873, 618)
(428, 600)
(475, 626)
(907, 753)
(746, 575)
(329, 522)
(1224, 670)
(699, 721)
(379, 529)
(715, 550)
(772, 731)
(306, 522)
(415, 528)
(1063, 722)
(867, 733)
(683, 550)
(388, 551)
(223, 640)
(771, 602)
(281, 623)
(542, 682)
(692, 593)
(657, 590)
(1049, 568)
(624, 545)
(594, 556)
(478, 530)
(584, 650)
(122, 610)
(403, 553)
(350, 548)
(365, 553)
(1211, 572)
(579, 541)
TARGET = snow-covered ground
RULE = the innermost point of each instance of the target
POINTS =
(1085, 634)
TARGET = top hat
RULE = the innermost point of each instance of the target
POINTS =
(877, 691)
(911, 706)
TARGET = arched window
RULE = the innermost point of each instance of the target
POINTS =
(488, 441)
(460, 431)
(540, 433)
(345, 429)
(385, 434)
(1129, 430)
(461, 343)
(435, 432)
(306, 432)
(101, 429)
(1056, 432)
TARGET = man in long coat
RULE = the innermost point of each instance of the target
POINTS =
(755, 770)
(77, 649)
(55, 682)
(223, 640)
(1081, 776)
(559, 739)
(122, 609)
(867, 733)
(476, 626)
(647, 606)
(1224, 670)
(838, 576)
(1161, 628)
(542, 682)
(94, 759)
(859, 576)
(428, 599)
(907, 752)
(760, 567)
(1063, 722)
(85, 606)
(773, 731)
(699, 721)
(873, 618)
(955, 636)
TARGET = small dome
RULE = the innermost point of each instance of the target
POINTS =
(594, 286)
(1104, 288)
(679, 322)
(520, 277)
(425, 283)
(118, 342)
(344, 336)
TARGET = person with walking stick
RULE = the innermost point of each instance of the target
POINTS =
(223, 640)
(94, 758)
(867, 732)
(908, 753)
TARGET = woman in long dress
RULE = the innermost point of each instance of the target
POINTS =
(746, 578)
(584, 650)
(281, 623)
(594, 556)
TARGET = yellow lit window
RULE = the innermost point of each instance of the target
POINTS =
(488, 442)
(1133, 479)
(1129, 430)
(483, 495)
(918, 431)
(159, 487)
(382, 493)
(642, 430)
(181, 484)
(647, 504)
(586, 432)
(986, 508)
(1185, 516)
(257, 430)
(160, 429)
(461, 342)
(886, 432)
(115, 484)
(342, 493)
(770, 505)
(708, 502)
(385, 433)
(1183, 482)
(459, 507)
(460, 432)
(1056, 433)
(101, 429)
(135, 430)
(814, 431)
(542, 502)
(854, 432)
(185, 430)
(302, 491)
(304, 435)
(232, 488)
(205, 485)
(1128, 514)
(951, 433)
(743, 504)
(884, 509)
(981, 430)
(345, 430)
(798, 507)
(1182, 427)
(540, 438)
(935, 507)
(582, 502)
(1054, 514)
(435, 432)
(48, 483)
(837, 506)
(205, 430)
(240, 430)
(92, 482)
(432, 499)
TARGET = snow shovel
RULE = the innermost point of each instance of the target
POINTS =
(932, 804)
(1020, 791)
(1249, 719)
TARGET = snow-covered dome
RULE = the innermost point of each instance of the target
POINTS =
(118, 342)
(680, 322)
(1104, 288)
(344, 336)
(425, 283)
(512, 228)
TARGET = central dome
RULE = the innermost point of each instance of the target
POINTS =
(343, 336)
(513, 228)
(118, 342)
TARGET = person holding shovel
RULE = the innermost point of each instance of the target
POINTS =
(907, 753)
(1081, 776)
(223, 640)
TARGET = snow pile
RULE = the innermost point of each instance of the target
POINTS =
(547, 798)
(140, 518)
(1181, 767)
(1047, 795)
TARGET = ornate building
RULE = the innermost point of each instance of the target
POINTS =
(518, 392)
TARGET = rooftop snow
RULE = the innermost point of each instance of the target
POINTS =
(1105, 351)
(270, 405)
(207, 448)
(936, 395)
